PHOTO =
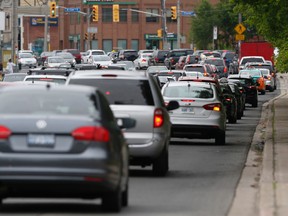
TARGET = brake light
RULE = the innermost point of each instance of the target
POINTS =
(187, 100)
(4, 132)
(157, 59)
(213, 106)
(158, 118)
(90, 133)
(228, 99)
(225, 69)
(144, 60)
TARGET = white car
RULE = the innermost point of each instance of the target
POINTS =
(103, 60)
(57, 79)
(142, 61)
(91, 53)
(56, 61)
(26, 59)
(246, 59)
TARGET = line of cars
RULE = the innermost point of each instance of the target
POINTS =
(105, 125)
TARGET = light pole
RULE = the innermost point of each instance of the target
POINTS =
(178, 25)
(45, 3)
(14, 41)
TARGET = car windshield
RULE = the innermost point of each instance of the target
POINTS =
(66, 55)
(25, 55)
(245, 60)
(116, 90)
(188, 91)
(97, 53)
(216, 62)
(101, 58)
(48, 102)
(56, 60)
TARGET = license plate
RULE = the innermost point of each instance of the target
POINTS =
(41, 140)
(187, 109)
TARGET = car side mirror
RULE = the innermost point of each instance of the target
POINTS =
(172, 105)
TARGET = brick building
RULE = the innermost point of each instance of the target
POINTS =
(135, 30)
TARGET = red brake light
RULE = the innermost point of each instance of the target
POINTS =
(4, 132)
(186, 100)
(90, 133)
(157, 59)
(225, 69)
(228, 99)
(158, 118)
(213, 106)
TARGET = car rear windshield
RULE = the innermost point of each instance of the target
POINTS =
(49, 102)
(178, 53)
(121, 91)
(216, 62)
(188, 91)
(245, 60)
(194, 68)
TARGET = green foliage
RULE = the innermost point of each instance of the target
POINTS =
(270, 18)
(207, 16)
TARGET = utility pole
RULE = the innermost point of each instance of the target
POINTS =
(239, 42)
(14, 40)
(164, 27)
(88, 27)
(178, 25)
(45, 3)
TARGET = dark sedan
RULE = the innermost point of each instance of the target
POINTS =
(64, 142)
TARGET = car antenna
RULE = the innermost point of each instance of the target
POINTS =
(48, 86)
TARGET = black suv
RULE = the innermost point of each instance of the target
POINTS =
(173, 56)
(250, 88)
(158, 56)
(127, 55)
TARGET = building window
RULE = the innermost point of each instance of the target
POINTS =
(94, 44)
(122, 44)
(106, 14)
(107, 45)
(123, 15)
(135, 44)
(151, 17)
(135, 15)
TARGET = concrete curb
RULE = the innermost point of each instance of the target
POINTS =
(255, 194)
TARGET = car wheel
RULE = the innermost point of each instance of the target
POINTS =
(255, 103)
(112, 202)
(161, 164)
(220, 138)
(271, 89)
(125, 196)
(233, 119)
(263, 92)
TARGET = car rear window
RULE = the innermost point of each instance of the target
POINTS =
(179, 53)
(43, 79)
(216, 62)
(194, 68)
(121, 91)
(188, 91)
(245, 60)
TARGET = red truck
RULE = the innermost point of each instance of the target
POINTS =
(259, 48)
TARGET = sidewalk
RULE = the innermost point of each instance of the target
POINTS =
(263, 187)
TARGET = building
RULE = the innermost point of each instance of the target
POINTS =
(138, 26)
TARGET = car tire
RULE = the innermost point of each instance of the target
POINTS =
(271, 89)
(233, 119)
(160, 166)
(263, 92)
(220, 138)
(112, 202)
(255, 103)
(125, 196)
(20, 66)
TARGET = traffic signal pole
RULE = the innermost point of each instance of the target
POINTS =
(45, 26)
(178, 25)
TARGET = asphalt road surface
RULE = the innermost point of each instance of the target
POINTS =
(201, 182)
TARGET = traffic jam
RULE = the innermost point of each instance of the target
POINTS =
(82, 119)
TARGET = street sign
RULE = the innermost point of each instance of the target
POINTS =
(240, 28)
(92, 30)
(71, 10)
(239, 37)
(188, 13)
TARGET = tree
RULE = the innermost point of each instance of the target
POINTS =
(270, 19)
(201, 32)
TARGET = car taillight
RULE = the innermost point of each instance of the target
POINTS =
(213, 106)
(228, 99)
(225, 69)
(90, 133)
(187, 100)
(156, 59)
(4, 132)
(158, 118)
(144, 60)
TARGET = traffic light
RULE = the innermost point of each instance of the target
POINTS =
(159, 32)
(94, 36)
(86, 36)
(53, 9)
(95, 14)
(173, 12)
(115, 13)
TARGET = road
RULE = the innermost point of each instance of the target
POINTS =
(201, 182)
